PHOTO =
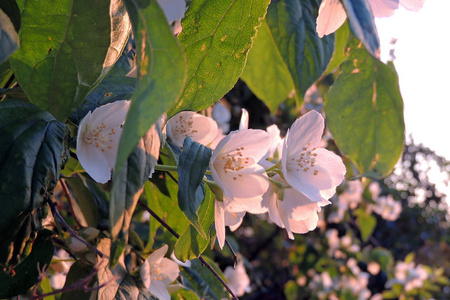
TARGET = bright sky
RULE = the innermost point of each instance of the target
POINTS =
(423, 63)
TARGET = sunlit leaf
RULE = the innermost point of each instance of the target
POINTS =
(191, 244)
(58, 62)
(216, 38)
(160, 73)
(194, 161)
(364, 111)
(292, 25)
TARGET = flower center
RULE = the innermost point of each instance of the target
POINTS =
(234, 161)
(183, 127)
(156, 271)
(306, 161)
(100, 137)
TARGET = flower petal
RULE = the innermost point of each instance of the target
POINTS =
(251, 205)
(270, 200)
(331, 16)
(157, 256)
(93, 162)
(414, 5)
(297, 206)
(158, 289)
(383, 8)
(304, 226)
(249, 185)
(145, 273)
(305, 132)
(173, 9)
(234, 219)
(170, 269)
(219, 222)
(243, 124)
(285, 220)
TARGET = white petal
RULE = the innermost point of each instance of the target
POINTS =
(255, 143)
(253, 183)
(93, 162)
(383, 8)
(270, 200)
(145, 273)
(297, 206)
(157, 256)
(234, 219)
(243, 124)
(304, 226)
(173, 9)
(170, 269)
(219, 221)
(306, 131)
(331, 16)
(276, 142)
(251, 205)
(285, 220)
(158, 289)
(414, 5)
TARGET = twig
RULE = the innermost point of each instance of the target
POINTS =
(72, 233)
(69, 201)
(175, 234)
(235, 259)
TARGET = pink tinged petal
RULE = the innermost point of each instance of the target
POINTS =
(276, 142)
(219, 221)
(170, 269)
(304, 226)
(414, 5)
(145, 274)
(234, 219)
(270, 201)
(383, 8)
(331, 16)
(285, 220)
(297, 206)
(158, 289)
(327, 194)
(243, 124)
(251, 205)
(200, 128)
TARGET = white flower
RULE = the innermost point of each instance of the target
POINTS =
(98, 139)
(332, 14)
(200, 128)
(276, 142)
(237, 279)
(387, 207)
(313, 171)
(234, 164)
(158, 272)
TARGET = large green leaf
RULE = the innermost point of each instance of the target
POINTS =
(85, 201)
(60, 61)
(161, 73)
(266, 73)
(292, 25)
(216, 37)
(366, 222)
(9, 40)
(128, 186)
(191, 244)
(26, 273)
(364, 111)
(194, 161)
(78, 270)
(32, 150)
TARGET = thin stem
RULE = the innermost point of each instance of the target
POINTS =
(235, 259)
(175, 234)
(166, 168)
(72, 233)
(69, 201)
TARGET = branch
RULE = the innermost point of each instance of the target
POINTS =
(72, 233)
(175, 234)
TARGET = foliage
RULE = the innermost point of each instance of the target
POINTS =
(61, 61)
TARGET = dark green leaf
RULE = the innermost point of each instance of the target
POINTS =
(26, 273)
(58, 62)
(85, 201)
(266, 73)
(194, 161)
(203, 282)
(216, 37)
(77, 271)
(362, 24)
(364, 111)
(9, 40)
(128, 186)
(191, 244)
(160, 73)
(292, 24)
(5, 73)
(32, 151)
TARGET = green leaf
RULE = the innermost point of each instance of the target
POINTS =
(203, 282)
(128, 186)
(366, 222)
(340, 54)
(33, 148)
(292, 24)
(59, 62)
(160, 73)
(191, 244)
(85, 201)
(46, 287)
(216, 38)
(362, 24)
(383, 257)
(9, 40)
(5, 73)
(26, 273)
(364, 111)
(184, 294)
(194, 161)
(77, 271)
(266, 73)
